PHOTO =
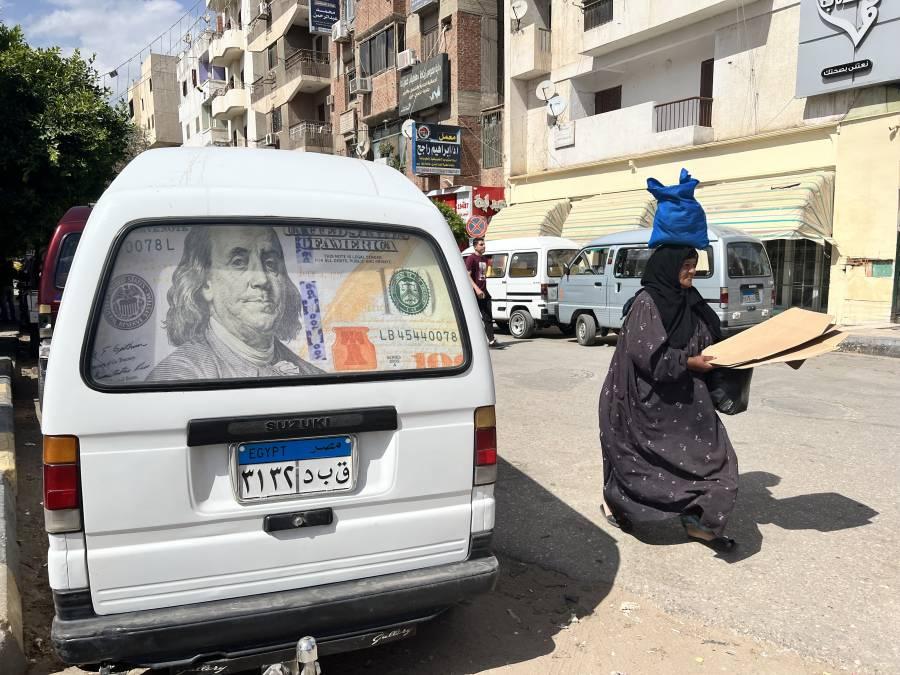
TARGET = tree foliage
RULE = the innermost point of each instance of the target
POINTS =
(454, 221)
(60, 142)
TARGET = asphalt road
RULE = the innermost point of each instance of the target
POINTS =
(816, 576)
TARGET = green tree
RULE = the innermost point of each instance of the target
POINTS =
(60, 141)
(454, 221)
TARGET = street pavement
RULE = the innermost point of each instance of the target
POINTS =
(813, 588)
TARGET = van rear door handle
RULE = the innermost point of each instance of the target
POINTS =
(598, 283)
(293, 521)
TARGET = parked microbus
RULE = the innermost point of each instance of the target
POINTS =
(733, 275)
(522, 279)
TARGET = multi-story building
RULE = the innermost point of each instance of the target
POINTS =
(228, 52)
(292, 87)
(786, 110)
(429, 61)
(153, 102)
(199, 83)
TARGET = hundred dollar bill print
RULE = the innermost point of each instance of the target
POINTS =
(218, 302)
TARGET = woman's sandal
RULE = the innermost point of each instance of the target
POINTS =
(622, 524)
(718, 544)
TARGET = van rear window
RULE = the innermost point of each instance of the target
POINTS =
(217, 303)
(557, 259)
(747, 259)
(65, 258)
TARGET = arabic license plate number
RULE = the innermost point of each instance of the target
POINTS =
(750, 296)
(295, 467)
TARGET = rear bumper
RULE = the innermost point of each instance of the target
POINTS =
(270, 623)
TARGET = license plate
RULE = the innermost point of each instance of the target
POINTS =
(300, 466)
(750, 296)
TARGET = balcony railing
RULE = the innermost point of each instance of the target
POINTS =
(688, 112)
(597, 13)
(309, 134)
(309, 63)
(530, 55)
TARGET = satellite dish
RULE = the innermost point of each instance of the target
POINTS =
(408, 128)
(363, 147)
(556, 105)
(545, 90)
(519, 9)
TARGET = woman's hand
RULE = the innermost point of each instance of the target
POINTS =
(700, 364)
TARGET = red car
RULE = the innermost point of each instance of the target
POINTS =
(57, 262)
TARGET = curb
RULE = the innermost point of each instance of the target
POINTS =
(873, 346)
(12, 654)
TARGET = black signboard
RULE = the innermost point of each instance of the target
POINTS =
(425, 85)
(437, 149)
(323, 14)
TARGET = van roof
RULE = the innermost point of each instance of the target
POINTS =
(525, 242)
(641, 235)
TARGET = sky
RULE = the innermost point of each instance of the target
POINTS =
(114, 30)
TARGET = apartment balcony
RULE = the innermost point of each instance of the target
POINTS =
(530, 53)
(232, 103)
(282, 15)
(347, 122)
(212, 88)
(636, 130)
(311, 137)
(217, 136)
(216, 5)
(609, 25)
(226, 46)
(382, 102)
(303, 72)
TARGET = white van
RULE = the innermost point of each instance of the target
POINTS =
(268, 415)
(733, 275)
(522, 278)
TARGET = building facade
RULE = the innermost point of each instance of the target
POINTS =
(153, 102)
(776, 109)
(199, 83)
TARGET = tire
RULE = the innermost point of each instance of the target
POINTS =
(521, 324)
(586, 330)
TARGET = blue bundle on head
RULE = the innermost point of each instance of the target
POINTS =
(679, 217)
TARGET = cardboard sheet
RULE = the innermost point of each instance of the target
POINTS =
(796, 356)
(777, 335)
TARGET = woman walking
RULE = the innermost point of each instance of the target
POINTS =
(665, 451)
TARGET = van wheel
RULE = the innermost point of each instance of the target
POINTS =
(521, 324)
(586, 330)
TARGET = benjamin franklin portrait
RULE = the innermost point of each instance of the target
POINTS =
(232, 308)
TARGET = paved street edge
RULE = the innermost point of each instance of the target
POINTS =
(12, 654)
(873, 346)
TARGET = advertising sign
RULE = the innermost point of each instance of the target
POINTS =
(845, 44)
(425, 85)
(323, 14)
(437, 150)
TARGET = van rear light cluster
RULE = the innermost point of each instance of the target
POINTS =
(485, 445)
(545, 290)
(62, 499)
(723, 296)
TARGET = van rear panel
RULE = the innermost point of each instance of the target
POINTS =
(749, 283)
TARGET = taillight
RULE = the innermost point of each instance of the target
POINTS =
(485, 445)
(62, 511)
(773, 297)
(723, 295)
(545, 288)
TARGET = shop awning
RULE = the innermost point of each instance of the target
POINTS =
(530, 219)
(606, 214)
(799, 206)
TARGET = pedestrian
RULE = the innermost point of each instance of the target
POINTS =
(665, 450)
(476, 265)
(7, 297)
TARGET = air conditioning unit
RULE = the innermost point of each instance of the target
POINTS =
(361, 85)
(263, 11)
(271, 140)
(406, 59)
(329, 100)
(340, 32)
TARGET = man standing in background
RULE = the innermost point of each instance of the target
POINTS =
(476, 265)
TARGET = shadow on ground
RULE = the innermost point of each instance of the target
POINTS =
(756, 505)
(556, 565)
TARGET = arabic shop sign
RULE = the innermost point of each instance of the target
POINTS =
(437, 150)
(425, 85)
(323, 14)
(846, 44)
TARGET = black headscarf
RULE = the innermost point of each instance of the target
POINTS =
(679, 308)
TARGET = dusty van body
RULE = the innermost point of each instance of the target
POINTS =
(265, 417)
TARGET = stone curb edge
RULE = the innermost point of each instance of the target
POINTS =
(12, 654)
(873, 346)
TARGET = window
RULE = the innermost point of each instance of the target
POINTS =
(349, 11)
(557, 259)
(187, 132)
(630, 262)
(152, 126)
(320, 113)
(66, 255)
(276, 120)
(747, 259)
(142, 103)
(194, 76)
(608, 100)
(272, 55)
(349, 76)
(150, 82)
(302, 330)
(492, 140)
(197, 125)
(496, 265)
(597, 13)
(131, 108)
(430, 33)
(378, 53)
(705, 263)
(183, 88)
(523, 265)
(589, 261)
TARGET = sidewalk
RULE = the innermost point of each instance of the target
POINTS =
(873, 339)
